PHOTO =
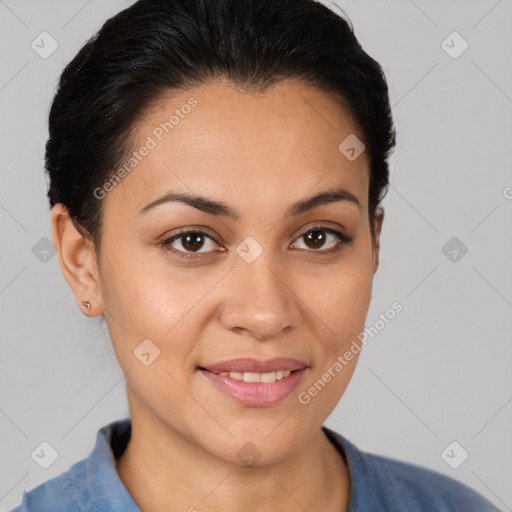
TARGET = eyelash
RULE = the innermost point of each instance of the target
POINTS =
(342, 240)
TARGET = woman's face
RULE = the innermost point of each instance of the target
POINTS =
(259, 284)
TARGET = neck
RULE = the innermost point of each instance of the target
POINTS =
(165, 472)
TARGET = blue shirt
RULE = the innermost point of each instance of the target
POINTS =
(379, 484)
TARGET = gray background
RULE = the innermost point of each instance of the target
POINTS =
(439, 372)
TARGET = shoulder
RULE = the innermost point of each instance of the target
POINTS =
(63, 493)
(89, 485)
(386, 483)
(418, 488)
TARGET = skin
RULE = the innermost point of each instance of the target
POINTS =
(258, 153)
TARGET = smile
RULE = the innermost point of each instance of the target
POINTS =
(254, 389)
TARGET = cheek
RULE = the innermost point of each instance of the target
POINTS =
(341, 305)
(156, 300)
(351, 299)
(340, 294)
(140, 290)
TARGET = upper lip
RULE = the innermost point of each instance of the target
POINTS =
(255, 365)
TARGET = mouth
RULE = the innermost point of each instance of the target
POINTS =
(256, 383)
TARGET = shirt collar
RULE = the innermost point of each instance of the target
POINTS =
(105, 488)
(107, 491)
(364, 482)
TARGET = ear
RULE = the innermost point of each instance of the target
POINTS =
(77, 261)
(378, 220)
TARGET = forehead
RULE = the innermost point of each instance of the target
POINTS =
(219, 141)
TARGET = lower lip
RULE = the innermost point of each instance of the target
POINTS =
(256, 394)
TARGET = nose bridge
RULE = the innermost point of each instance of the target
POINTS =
(260, 300)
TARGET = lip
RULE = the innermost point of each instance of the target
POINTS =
(255, 394)
(255, 365)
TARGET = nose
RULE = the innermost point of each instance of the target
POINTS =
(261, 301)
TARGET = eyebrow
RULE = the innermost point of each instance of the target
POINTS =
(222, 209)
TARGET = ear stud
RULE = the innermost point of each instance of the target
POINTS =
(87, 304)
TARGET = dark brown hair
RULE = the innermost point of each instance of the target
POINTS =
(156, 46)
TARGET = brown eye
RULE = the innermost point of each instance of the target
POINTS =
(316, 238)
(190, 241)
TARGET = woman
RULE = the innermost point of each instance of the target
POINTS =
(216, 171)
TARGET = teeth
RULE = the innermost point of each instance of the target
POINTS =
(251, 377)
(267, 378)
